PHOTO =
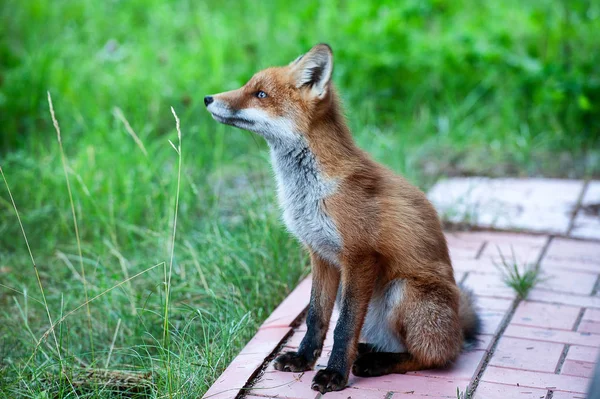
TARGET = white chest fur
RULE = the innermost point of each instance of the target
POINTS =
(301, 191)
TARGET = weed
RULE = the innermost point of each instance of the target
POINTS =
(521, 278)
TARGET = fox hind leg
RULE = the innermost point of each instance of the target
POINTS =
(427, 325)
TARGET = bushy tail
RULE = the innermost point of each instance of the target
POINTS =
(469, 320)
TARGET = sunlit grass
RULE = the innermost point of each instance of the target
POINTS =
(428, 90)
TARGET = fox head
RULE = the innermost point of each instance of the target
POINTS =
(279, 103)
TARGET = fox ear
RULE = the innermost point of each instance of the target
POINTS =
(314, 69)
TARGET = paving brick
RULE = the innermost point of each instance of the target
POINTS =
(564, 299)
(397, 395)
(411, 384)
(265, 341)
(233, 379)
(572, 255)
(484, 341)
(546, 335)
(568, 281)
(246, 363)
(487, 303)
(465, 367)
(480, 266)
(577, 368)
(592, 315)
(488, 285)
(588, 326)
(568, 395)
(354, 393)
(487, 390)
(464, 245)
(583, 353)
(527, 354)
(491, 320)
(545, 315)
(515, 248)
(586, 226)
(592, 194)
(278, 384)
(535, 379)
(531, 204)
(291, 307)
(587, 223)
(458, 276)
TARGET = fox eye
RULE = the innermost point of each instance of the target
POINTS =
(261, 94)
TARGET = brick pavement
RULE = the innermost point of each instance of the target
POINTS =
(541, 347)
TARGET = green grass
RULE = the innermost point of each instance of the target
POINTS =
(520, 277)
(431, 87)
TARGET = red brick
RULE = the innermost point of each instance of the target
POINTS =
(546, 335)
(411, 384)
(479, 266)
(525, 248)
(488, 303)
(354, 393)
(589, 326)
(464, 245)
(545, 315)
(233, 379)
(573, 255)
(458, 276)
(397, 395)
(583, 353)
(291, 307)
(484, 341)
(576, 368)
(505, 239)
(489, 285)
(246, 363)
(586, 226)
(565, 299)
(464, 368)
(295, 339)
(285, 385)
(568, 281)
(535, 379)
(568, 395)
(592, 314)
(526, 354)
(265, 341)
(458, 254)
(487, 390)
(491, 321)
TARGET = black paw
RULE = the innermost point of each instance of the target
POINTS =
(364, 347)
(368, 365)
(329, 380)
(292, 361)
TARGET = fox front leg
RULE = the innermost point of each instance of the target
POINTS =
(325, 281)
(357, 289)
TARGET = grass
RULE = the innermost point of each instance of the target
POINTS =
(462, 394)
(521, 278)
(431, 88)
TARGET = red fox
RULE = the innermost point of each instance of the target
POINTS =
(375, 241)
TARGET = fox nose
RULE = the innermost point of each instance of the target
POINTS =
(208, 100)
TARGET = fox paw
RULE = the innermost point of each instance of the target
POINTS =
(366, 366)
(378, 363)
(291, 361)
(329, 380)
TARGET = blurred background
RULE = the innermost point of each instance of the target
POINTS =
(432, 88)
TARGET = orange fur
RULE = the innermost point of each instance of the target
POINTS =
(389, 230)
